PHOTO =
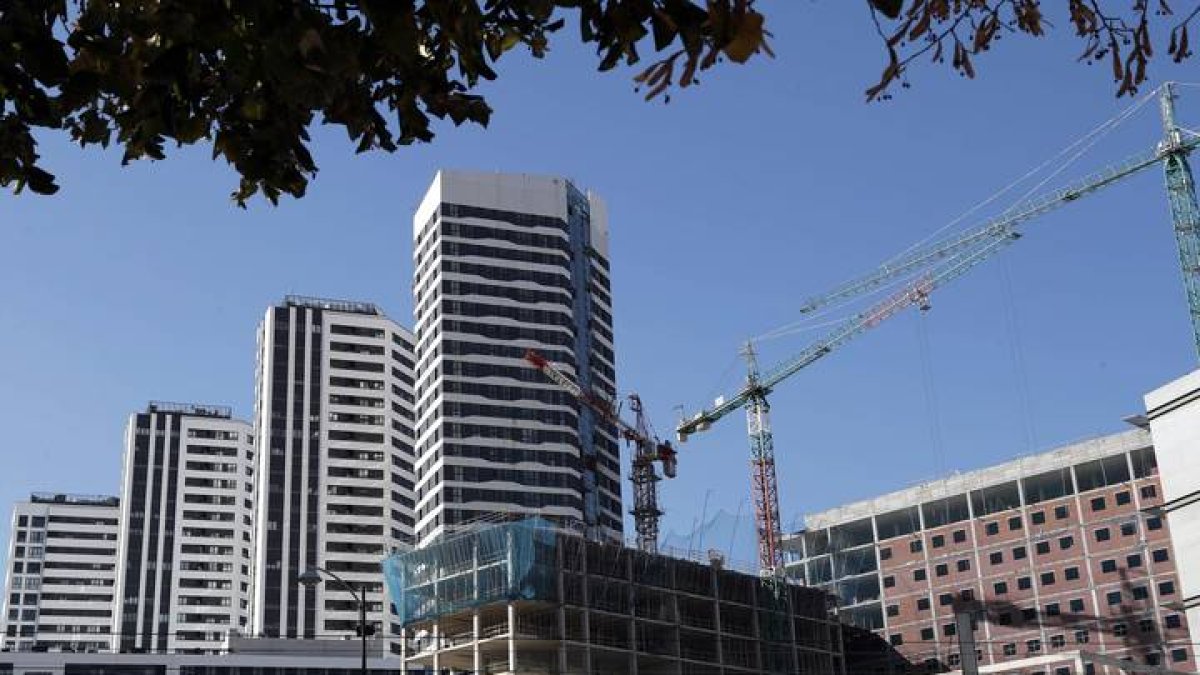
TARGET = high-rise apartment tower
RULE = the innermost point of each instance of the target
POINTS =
(186, 536)
(505, 263)
(62, 562)
(334, 418)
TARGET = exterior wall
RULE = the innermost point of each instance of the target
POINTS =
(1053, 553)
(62, 569)
(505, 263)
(334, 417)
(186, 529)
(1173, 411)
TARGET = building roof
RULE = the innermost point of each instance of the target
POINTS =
(959, 483)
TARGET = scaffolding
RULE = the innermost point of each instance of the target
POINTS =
(530, 597)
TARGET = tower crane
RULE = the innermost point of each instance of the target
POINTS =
(921, 271)
(647, 449)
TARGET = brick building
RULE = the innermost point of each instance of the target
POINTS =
(1054, 554)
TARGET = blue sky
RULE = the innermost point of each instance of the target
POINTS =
(728, 207)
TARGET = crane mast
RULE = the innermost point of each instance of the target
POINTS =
(647, 449)
(1181, 192)
(920, 272)
(764, 486)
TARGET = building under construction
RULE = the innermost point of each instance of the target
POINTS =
(530, 597)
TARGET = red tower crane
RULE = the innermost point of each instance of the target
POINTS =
(647, 449)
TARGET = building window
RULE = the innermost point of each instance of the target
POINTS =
(1108, 566)
(941, 570)
(938, 541)
(1178, 655)
(1122, 498)
(1146, 625)
(1154, 523)
(914, 546)
(949, 630)
(1014, 523)
(1066, 542)
(919, 574)
(885, 553)
(1010, 649)
(1047, 578)
(1166, 588)
(992, 528)
(1081, 637)
(1128, 529)
(889, 581)
(1071, 573)
(964, 565)
(922, 604)
(896, 639)
(1061, 512)
(1028, 614)
(1024, 583)
(1005, 619)
(1042, 547)
(960, 536)
(1000, 587)
(1149, 492)
(1053, 609)
(893, 610)
(1140, 592)
(1161, 555)
(1019, 553)
(996, 558)
(1098, 504)
(1033, 646)
(1038, 518)
(1058, 641)
(1172, 621)
(926, 634)
(1133, 560)
(1113, 597)
(945, 599)
(954, 660)
(967, 594)
(1103, 534)
(1077, 605)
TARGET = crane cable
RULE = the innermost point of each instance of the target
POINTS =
(1087, 141)
(1017, 352)
(1094, 135)
(931, 399)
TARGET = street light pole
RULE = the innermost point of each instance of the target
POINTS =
(312, 576)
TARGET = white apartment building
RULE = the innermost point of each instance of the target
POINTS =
(505, 263)
(333, 412)
(60, 579)
(186, 531)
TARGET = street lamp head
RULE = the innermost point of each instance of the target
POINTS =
(309, 577)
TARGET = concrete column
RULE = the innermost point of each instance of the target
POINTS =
(436, 635)
(631, 597)
(512, 638)
(476, 654)
(716, 600)
(585, 612)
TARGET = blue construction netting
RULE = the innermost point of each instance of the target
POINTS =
(504, 562)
